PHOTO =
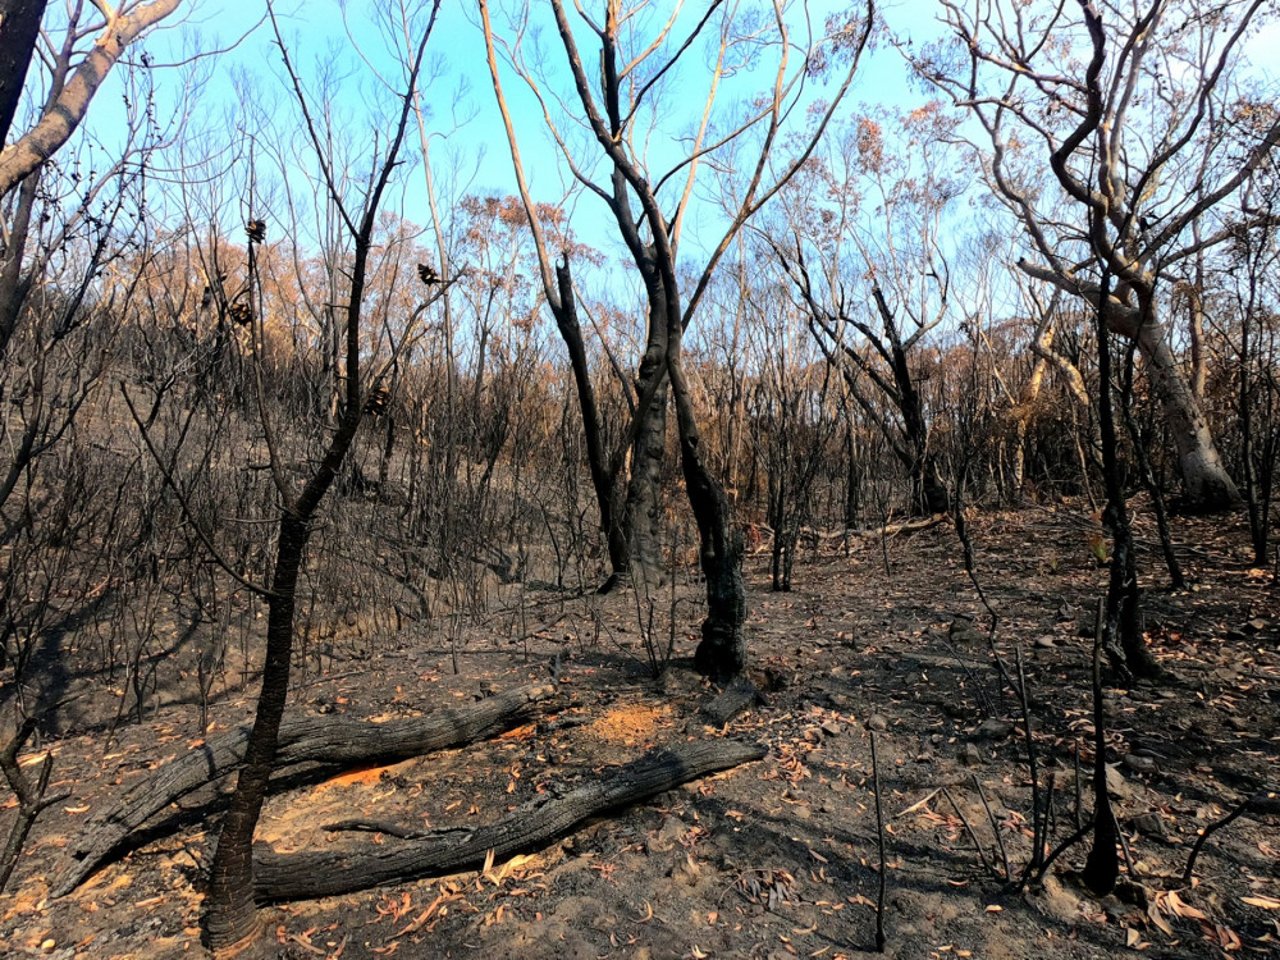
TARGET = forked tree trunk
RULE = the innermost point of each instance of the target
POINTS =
(1206, 484)
(67, 108)
(928, 492)
(1024, 412)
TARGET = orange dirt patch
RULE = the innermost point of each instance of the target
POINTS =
(524, 732)
(629, 724)
(356, 778)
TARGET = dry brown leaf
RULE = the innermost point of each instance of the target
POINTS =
(1156, 916)
(1183, 909)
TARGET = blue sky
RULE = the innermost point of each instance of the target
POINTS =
(468, 142)
(469, 149)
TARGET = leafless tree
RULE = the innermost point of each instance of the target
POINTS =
(633, 66)
(231, 917)
(863, 252)
(1130, 114)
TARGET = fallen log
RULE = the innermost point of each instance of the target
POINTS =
(332, 740)
(330, 872)
(910, 525)
(739, 694)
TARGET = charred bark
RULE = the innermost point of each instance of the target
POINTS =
(332, 872)
(644, 489)
(1122, 635)
(332, 740)
(722, 652)
(929, 493)
(738, 695)
(231, 919)
(19, 28)
(1103, 864)
(604, 479)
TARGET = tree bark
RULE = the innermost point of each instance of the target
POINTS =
(1206, 483)
(334, 872)
(1122, 636)
(722, 652)
(231, 920)
(19, 28)
(929, 493)
(738, 695)
(604, 479)
(329, 740)
(644, 488)
(63, 116)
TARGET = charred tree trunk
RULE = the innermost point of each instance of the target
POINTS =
(780, 518)
(1136, 440)
(1103, 864)
(1122, 634)
(929, 493)
(604, 478)
(231, 919)
(852, 475)
(722, 652)
(19, 28)
(328, 740)
(1258, 442)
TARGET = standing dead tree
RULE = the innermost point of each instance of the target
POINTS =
(231, 917)
(1149, 91)
(847, 259)
(635, 72)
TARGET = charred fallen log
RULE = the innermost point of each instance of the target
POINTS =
(329, 872)
(332, 740)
